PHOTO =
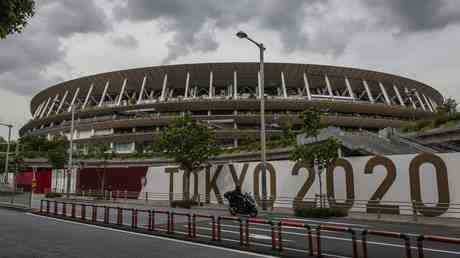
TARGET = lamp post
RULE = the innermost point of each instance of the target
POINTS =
(10, 126)
(70, 166)
(243, 35)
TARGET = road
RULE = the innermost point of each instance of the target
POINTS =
(334, 244)
(27, 235)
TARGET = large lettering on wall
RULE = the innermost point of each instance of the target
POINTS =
(383, 184)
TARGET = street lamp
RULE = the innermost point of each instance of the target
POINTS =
(10, 126)
(70, 166)
(243, 35)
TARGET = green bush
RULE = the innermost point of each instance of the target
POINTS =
(185, 204)
(316, 212)
(53, 195)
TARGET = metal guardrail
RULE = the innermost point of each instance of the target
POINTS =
(378, 207)
(276, 228)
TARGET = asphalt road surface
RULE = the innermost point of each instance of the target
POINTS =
(295, 242)
(27, 235)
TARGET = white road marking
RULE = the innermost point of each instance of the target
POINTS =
(156, 237)
(263, 237)
(329, 222)
(358, 241)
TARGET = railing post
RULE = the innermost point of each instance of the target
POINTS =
(241, 232)
(47, 207)
(83, 211)
(420, 246)
(119, 216)
(318, 241)
(134, 218)
(146, 197)
(150, 222)
(353, 242)
(171, 223)
(213, 222)
(272, 227)
(189, 226)
(246, 232)
(72, 210)
(407, 245)
(41, 206)
(55, 208)
(414, 211)
(106, 214)
(310, 239)
(94, 214)
(364, 242)
(280, 240)
(64, 209)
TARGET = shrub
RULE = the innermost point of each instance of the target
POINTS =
(185, 204)
(53, 195)
(316, 212)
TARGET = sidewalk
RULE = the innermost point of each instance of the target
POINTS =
(219, 209)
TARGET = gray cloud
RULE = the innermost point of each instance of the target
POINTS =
(416, 15)
(25, 57)
(127, 41)
(193, 22)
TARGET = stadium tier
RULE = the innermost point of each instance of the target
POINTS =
(129, 107)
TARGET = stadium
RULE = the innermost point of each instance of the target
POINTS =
(128, 108)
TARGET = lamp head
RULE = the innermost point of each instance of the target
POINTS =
(241, 34)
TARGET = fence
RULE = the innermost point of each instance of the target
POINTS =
(17, 198)
(312, 233)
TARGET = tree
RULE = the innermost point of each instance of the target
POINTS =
(449, 107)
(318, 154)
(14, 15)
(190, 144)
(57, 152)
(104, 153)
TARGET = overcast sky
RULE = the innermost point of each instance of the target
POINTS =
(66, 39)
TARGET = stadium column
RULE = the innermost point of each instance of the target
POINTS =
(75, 95)
(62, 101)
(38, 109)
(401, 101)
(141, 93)
(210, 85)
(434, 104)
(428, 104)
(368, 91)
(88, 96)
(46, 107)
(55, 99)
(163, 88)
(350, 90)
(385, 94)
(187, 84)
(410, 98)
(235, 112)
(328, 85)
(235, 85)
(283, 84)
(104, 92)
(122, 91)
(417, 95)
(307, 86)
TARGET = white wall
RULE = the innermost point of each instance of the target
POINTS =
(288, 185)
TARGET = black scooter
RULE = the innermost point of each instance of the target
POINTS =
(243, 204)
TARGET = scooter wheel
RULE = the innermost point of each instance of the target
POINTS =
(253, 213)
